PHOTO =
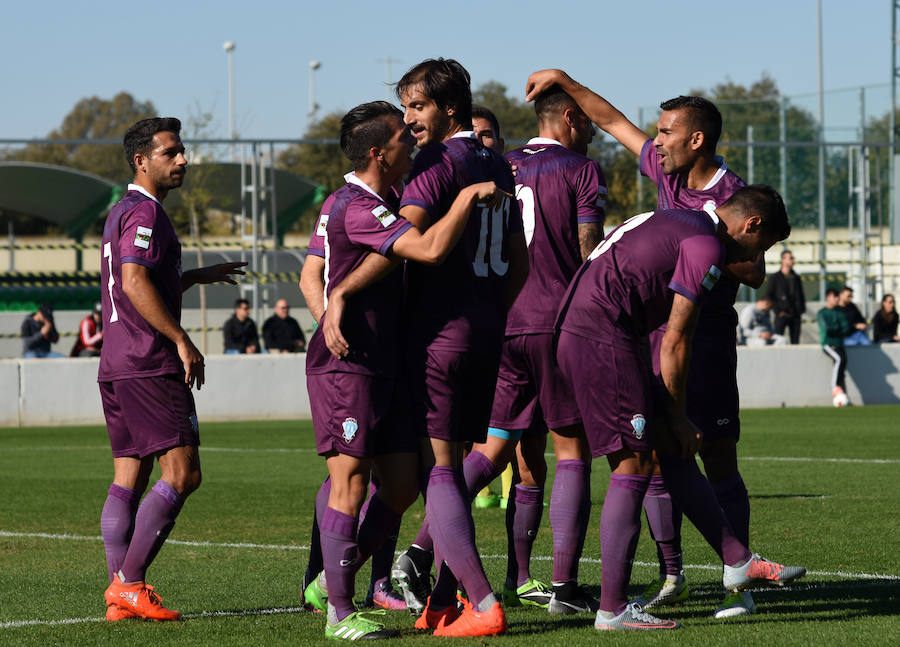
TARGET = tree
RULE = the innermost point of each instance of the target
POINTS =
(517, 120)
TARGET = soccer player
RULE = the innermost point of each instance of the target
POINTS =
(359, 403)
(682, 162)
(656, 269)
(148, 365)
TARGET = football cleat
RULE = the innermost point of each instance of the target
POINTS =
(432, 619)
(411, 579)
(360, 625)
(758, 570)
(389, 599)
(114, 613)
(665, 591)
(569, 598)
(533, 593)
(474, 623)
(633, 618)
(487, 501)
(734, 605)
(315, 596)
(138, 598)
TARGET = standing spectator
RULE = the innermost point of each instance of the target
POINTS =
(756, 324)
(282, 332)
(833, 328)
(884, 323)
(240, 331)
(90, 335)
(786, 293)
(857, 335)
(38, 332)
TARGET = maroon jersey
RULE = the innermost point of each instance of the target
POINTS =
(137, 230)
(557, 190)
(460, 305)
(361, 222)
(625, 288)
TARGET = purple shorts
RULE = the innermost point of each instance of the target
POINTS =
(530, 384)
(612, 387)
(149, 414)
(712, 391)
(360, 415)
(452, 392)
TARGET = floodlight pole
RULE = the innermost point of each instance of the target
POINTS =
(388, 74)
(313, 106)
(822, 228)
(232, 135)
(892, 182)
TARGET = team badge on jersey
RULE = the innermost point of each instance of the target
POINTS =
(350, 427)
(602, 192)
(142, 237)
(638, 422)
(385, 217)
(711, 278)
(323, 222)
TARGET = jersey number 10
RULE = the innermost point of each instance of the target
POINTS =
(491, 238)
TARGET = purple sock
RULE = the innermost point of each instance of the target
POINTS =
(693, 494)
(566, 518)
(735, 502)
(341, 556)
(584, 514)
(423, 540)
(620, 526)
(152, 524)
(382, 560)
(478, 471)
(375, 527)
(454, 532)
(664, 519)
(527, 504)
(117, 525)
(314, 565)
(445, 587)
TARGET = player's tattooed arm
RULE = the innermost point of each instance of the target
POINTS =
(312, 285)
(220, 273)
(146, 300)
(674, 361)
(589, 236)
(599, 110)
(751, 273)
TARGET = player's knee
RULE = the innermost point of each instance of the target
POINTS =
(187, 482)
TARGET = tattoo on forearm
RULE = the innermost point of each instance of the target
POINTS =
(589, 236)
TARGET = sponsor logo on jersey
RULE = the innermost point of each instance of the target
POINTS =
(323, 222)
(142, 237)
(350, 427)
(602, 192)
(638, 422)
(712, 277)
(722, 421)
(384, 215)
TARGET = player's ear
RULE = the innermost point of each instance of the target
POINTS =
(697, 140)
(753, 224)
(569, 117)
(139, 160)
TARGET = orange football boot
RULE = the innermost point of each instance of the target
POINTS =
(433, 619)
(138, 598)
(114, 613)
(475, 623)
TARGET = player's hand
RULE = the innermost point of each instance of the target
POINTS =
(221, 273)
(541, 81)
(193, 363)
(488, 193)
(331, 325)
(686, 433)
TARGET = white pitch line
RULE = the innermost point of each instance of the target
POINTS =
(12, 624)
(802, 459)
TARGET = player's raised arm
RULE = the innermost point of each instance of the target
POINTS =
(674, 361)
(599, 110)
(220, 273)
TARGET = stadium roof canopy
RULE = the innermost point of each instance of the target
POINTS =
(73, 200)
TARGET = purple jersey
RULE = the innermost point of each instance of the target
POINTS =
(360, 222)
(557, 190)
(461, 304)
(627, 284)
(718, 317)
(137, 230)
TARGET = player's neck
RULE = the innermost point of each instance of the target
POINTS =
(702, 172)
(452, 130)
(152, 189)
(377, 180)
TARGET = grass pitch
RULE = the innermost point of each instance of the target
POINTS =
(824, 486)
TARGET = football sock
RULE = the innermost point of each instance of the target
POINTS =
(341, 556)
(314, 565)
(444, 593)
(620, 527)
(694, 495)
(453, 531)
(378, 524)
(735, 502)
(664, 520)
(382, 560)
(566, 514)
(523, 518)
(117, 524)
(506, 481)
(584, 514)
(153, 522)
(423, 540)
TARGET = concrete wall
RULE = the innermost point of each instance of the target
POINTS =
(260, 387)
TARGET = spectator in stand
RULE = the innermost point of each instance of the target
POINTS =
(281, 331)
(38, 332)
(884, 323)
(857, 335)
(756, 324)
(786, 293)
(833, 329)
(240, 331)
(90, 335)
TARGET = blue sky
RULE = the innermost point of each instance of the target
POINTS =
(635, 53)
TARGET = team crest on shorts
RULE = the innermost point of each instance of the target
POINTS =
(638, 423)
(350, 427)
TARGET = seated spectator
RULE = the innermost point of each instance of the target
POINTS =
(38, 332)
(90, 335)
(756, 324)
(240, 331)
(281, 332)
(884, 323)
(857, 336)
